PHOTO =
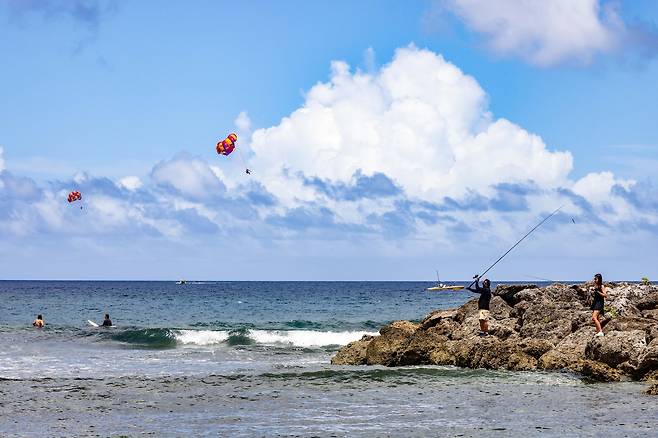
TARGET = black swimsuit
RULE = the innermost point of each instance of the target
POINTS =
(599, 302)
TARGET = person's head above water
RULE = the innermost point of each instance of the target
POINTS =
(39, 316)
(107, 316)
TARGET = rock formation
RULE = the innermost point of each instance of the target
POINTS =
(531, 328)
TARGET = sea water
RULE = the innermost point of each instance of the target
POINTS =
(252, 359)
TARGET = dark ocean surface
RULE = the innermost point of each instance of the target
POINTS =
(252, 359)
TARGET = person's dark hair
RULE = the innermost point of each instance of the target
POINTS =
(486, 282)
(599, 279)
(107, 316)
(39, 316)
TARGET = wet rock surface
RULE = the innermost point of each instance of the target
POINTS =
(530, 328)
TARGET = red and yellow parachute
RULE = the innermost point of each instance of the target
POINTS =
(75, 196)
(226, 146)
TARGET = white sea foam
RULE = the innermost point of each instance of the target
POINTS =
(306, 338)
(201, 337)
(297, 338)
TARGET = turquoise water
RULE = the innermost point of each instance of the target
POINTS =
(252, 359)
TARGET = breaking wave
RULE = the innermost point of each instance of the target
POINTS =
(170, 338)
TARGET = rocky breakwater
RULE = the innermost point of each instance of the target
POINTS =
(530, 328)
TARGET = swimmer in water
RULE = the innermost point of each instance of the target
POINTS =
(38, 323)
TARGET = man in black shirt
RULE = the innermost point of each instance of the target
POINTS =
(483, 303)
(107, 322)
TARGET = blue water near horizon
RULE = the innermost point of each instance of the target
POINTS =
(259, 354)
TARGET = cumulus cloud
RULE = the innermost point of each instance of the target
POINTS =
(243, 123)
(188, 176)
(419, 122)
(408, 155)
(131, 183)
(549, 32)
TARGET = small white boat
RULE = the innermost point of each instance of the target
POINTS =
(441, 286)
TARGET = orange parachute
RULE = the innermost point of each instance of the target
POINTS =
(75, 196)
(226, 146)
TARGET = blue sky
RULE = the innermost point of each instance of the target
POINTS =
(125, 101)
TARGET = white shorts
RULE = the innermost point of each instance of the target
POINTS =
(483, 315)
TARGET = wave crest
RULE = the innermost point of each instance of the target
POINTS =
(169, 338)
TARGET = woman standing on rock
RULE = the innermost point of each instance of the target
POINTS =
(598, 303)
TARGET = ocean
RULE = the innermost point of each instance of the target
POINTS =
(252, 359)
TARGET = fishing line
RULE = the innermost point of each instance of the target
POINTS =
(516, 244)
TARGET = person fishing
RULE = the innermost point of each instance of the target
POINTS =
(485, 290)
(38, 323)
(598, 303)
(483, 303)
(107, 322)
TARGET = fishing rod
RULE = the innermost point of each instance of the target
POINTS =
(516, 244)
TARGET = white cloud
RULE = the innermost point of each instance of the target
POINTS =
(190, 176)
(543, 32)
(131, 183)
(418, 129)
(419, 120)
(243, 123)
(80, 177)
(595, 186)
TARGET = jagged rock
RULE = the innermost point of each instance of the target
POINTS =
(383, 349)
(648, 302)
(535, 347)
(621, 298)
(436, 317)
(499, 309)
(653, 390)
(648, 359)
(441, 357)
(596, 371)
(521, 362)
(529, 295)
(353, 353)
(547, 319)
(616, 348)
(652, 333)
(508, 291)
(651, 377)
(653, 314)
(581, 319)
(419, 348)
(503, 329)
(490, 352)
(445, 327)
(469, 308)
(569, 351)
(630, 323)
(546, 328)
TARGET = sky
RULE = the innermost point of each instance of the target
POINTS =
(386, 139)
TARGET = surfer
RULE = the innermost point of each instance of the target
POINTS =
(107, 322)
(38, 323)
(483, 303)
(598, 303)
